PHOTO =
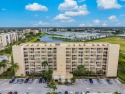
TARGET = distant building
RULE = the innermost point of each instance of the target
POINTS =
(26, 31)
(8, 58)
(64, 58)
(7, 39)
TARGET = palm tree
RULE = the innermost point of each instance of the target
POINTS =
(52, 85)
(89, 72)
(14, 68)
(117, 92)
(73, 80)
(3, 64)
(60, 81)
(101, 72)
(44, 64)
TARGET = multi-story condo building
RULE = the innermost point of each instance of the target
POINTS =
(63, 58)
(7, 38)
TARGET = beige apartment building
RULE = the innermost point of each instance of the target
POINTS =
(63, 58)
(7, 38)
(26, 31)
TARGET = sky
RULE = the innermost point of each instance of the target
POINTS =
(62, 13)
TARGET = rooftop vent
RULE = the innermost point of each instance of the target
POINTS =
(57, 44)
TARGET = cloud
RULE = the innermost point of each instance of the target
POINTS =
(63, 18)
(82, 25)
(68, 5)
(41, 23)
(80, 11)
(113, 18)
(104, 25)
(36, 7)
(96, 22)
(108, 4)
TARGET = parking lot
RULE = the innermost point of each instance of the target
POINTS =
(81, 85)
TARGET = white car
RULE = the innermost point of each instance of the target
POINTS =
(70, 92)
(83, 92)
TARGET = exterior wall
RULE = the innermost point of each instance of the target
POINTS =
(113, 60)
(18, 58)
(63, 58)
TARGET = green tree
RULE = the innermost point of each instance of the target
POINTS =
(89, 72)
(66, 81)
(117, 92)
(52, 85)
(3, 64)
(101, 72)
(14, 68)
(44, 64)
(48, 74)
(80, 70)
(60, 81)
(73, 80)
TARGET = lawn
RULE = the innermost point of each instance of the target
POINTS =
(35, 39)
(113, 40)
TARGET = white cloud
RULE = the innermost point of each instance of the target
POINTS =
(104, 24)
(63, 18)
(81, 25)
(108, 4)
(36, 7)
(81, 10)
(41, 23)
(113, 18)
(96, 22)
(68, 5)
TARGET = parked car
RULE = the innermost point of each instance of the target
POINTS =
(59, 92)
(15, 81)
(87, 92)
(83, 92)
(11, 80)
(91, 81)
(99, 80)
(66, 92)
(109, 81)
(26, 80)
(77, 93)
(68, 84)
(30, 80)
(10, 92)
(15, 92)
(40, 80)
(43, 80)
(71, 92)
(20, 81)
